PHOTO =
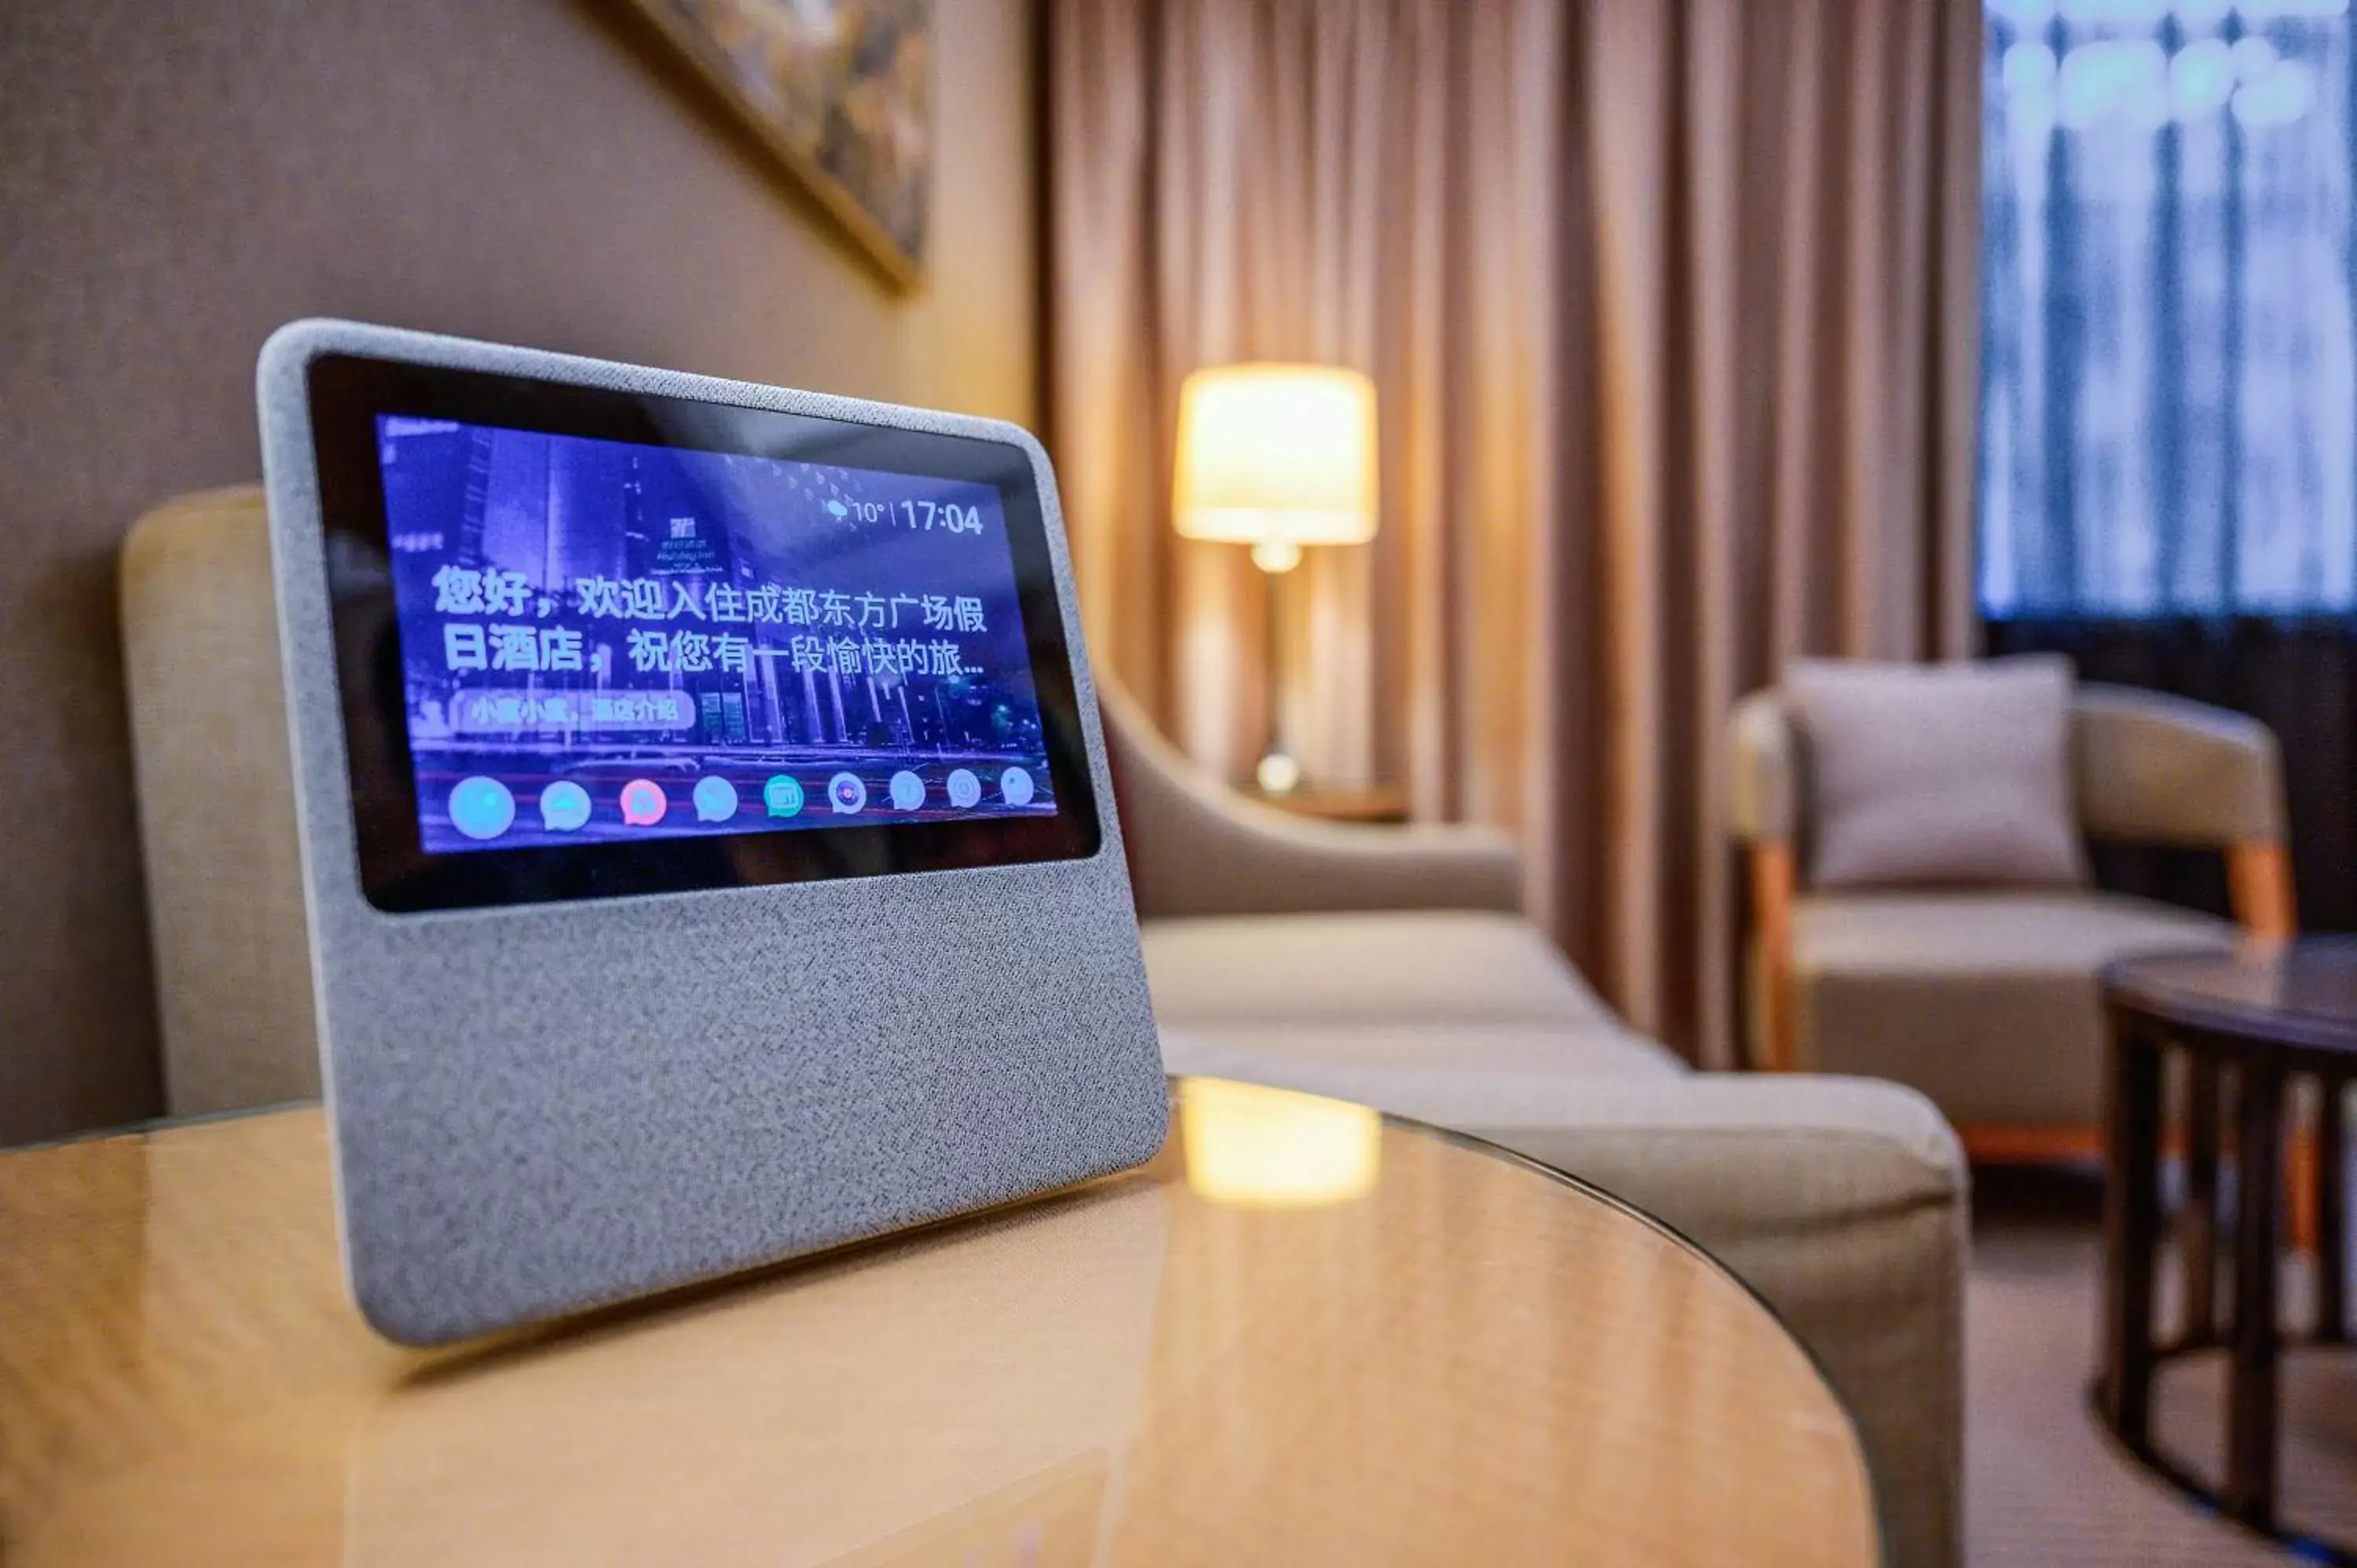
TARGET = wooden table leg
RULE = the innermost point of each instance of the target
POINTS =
(2131, 1227)
(2332, 1213)
(2299, 1187)
(2251, 1419)
(2197, 1224)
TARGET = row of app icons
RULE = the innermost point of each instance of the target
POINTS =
(483, 808)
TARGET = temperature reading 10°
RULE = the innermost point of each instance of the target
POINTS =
(923, 516)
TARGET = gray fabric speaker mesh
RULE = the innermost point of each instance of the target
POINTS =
(544, 1108)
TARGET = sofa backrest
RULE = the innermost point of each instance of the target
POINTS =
(217, 805)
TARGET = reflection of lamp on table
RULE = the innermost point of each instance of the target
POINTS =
(1256, 1147)
(1276, 456)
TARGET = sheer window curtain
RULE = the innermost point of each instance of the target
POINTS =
(1670, 306)
(2170, 366)
(2168, 488)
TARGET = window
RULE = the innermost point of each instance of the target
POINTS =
(2168, 397)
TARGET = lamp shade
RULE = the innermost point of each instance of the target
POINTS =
(1276, 456)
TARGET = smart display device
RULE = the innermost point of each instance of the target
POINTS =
(708, 844)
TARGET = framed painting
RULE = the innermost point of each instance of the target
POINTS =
(842, 91)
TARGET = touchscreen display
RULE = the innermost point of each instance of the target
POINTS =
(603, 642)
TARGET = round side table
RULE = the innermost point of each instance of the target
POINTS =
(2262, 1017)
(1304, 1333)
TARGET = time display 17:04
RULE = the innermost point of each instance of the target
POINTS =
(948, 516)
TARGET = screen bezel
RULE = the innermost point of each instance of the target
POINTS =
(400, 875)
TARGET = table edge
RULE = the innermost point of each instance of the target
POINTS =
(2249, 1030)
(1479, 1145)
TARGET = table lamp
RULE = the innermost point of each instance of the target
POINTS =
(1276, 456)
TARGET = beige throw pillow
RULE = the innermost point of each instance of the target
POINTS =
(1957, 774)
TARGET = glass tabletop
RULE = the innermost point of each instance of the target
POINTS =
(1303, 1333)
(2301, 994)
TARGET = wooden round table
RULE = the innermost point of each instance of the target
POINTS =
(1304, 1333)
(2262, 1016)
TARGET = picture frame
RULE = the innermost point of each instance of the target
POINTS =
(841, 92)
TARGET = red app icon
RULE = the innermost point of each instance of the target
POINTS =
(643, 803)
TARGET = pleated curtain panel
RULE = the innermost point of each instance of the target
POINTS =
(1670, 306)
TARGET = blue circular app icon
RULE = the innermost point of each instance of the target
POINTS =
(716, 799)
(964, 789)
(782, 795)
(845, 793)
(908, 790)
(1015, 787)
(481, 808)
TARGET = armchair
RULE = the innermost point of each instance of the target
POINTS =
(1987, 1000)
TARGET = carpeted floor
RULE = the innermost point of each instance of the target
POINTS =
(2044, 1484)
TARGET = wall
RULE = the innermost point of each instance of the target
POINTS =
(176, 179)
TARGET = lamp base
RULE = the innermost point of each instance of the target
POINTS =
(1277, 773)
(1277, 556)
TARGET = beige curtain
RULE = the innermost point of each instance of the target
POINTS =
(1670, 307)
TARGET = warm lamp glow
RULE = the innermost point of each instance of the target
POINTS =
(1276, 456)
(1274, 1148)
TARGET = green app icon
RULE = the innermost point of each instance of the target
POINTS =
(783, 796)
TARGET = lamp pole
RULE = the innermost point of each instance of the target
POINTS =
(1277, 772)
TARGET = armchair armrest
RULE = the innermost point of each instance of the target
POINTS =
(2153, 769)
(1197, 847)
(2158, 769)
(1765, 803)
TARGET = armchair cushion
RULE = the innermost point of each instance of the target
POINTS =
(1378, 967)
(1988, 1002)
(1957, 773)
